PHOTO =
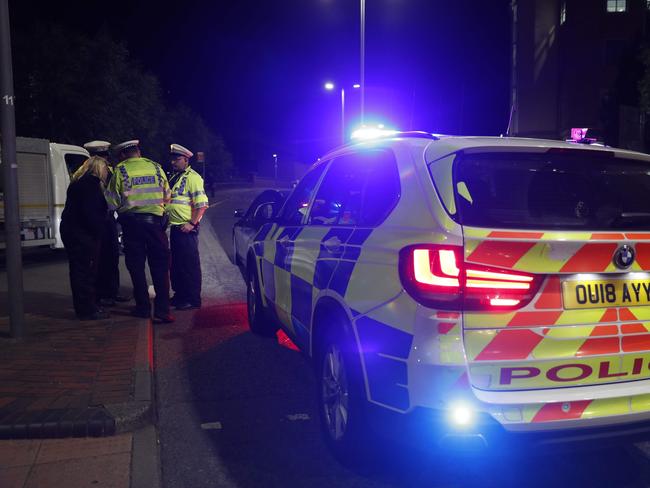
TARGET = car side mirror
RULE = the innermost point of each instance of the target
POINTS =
(265, 212)
(239, 213)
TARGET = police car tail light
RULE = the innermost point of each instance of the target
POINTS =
(495, 289)
(437, 277)
(431, 275)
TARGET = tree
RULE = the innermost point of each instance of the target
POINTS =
(72, 88)
(185, 127)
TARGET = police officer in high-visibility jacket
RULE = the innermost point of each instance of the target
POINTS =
(138, 191)
(189, 203)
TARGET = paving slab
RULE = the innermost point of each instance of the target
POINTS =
(75, 378)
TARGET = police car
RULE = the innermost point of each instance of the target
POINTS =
(475, 290)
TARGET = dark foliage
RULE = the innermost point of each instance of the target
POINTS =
(72, 88)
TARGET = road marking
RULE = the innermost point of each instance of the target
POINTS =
(218, 203)
(298, 416)
(211, 426)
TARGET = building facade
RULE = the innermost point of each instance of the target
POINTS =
(575, 63)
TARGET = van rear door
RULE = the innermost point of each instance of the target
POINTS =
(34, 193)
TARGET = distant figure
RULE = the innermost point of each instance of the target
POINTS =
(138, 191)
(189, 203)
(108, 267)
(83, 223)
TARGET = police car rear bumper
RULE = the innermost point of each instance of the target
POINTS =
(430, 429)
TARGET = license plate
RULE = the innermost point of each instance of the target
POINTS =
(606, 293)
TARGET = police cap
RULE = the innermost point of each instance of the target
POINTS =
(97, 147)
(126, 145)
(180, 151)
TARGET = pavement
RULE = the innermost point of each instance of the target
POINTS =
(76, 398)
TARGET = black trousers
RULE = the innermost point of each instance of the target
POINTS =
(186, 266)
(108, 271)
(146, 240)
(83, 254)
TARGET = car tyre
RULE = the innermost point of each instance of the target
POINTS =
(258, 321)
(343, 407)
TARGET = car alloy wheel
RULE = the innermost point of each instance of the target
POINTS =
(335, 393)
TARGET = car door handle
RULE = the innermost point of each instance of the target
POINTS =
(333, 244)
(284, 241)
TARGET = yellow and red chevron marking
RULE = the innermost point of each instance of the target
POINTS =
(542, 349)
(558, 411)
(592, 257)
(566, 411)
(539, 318)
(553, 252)
(543, 343)
(546, 310)
(475, 232)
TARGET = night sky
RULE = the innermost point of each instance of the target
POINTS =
(255, 70)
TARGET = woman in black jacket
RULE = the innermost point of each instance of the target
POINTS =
(82, 224)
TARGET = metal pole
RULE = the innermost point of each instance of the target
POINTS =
(275, 169)
(513, 121)
(363, 58)
(342, 116)
(10, 168)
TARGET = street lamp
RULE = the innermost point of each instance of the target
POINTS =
(330, 86)
(275, 168)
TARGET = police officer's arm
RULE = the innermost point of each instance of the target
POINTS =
(198, 199)
(113, 192)
(167, 192)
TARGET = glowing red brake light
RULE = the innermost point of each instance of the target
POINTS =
(442, 271)
(437, 276)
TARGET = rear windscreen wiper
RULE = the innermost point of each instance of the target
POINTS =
(631, 218)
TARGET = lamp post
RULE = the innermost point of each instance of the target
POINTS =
(10, 171)
(362, 57)
(275, 169)
(330, 86)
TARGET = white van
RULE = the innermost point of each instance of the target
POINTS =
(44, 170)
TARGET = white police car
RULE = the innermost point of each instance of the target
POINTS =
(480, 290)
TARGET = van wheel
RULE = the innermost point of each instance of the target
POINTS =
(258, 321)
(342, 401)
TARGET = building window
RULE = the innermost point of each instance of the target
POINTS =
(647, 4)
(563, 13)
(617, 5)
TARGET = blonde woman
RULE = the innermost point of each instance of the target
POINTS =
(83, 223)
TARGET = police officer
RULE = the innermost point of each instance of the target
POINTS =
(107, 284)
(138, 191)
(189, 203)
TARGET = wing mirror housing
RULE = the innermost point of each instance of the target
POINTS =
(265, 212)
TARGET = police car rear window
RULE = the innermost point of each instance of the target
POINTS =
(576, 190)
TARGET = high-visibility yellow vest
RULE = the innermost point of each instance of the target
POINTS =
(187, 193)
(138, 185)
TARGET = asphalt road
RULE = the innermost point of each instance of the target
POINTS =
(236, 410)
